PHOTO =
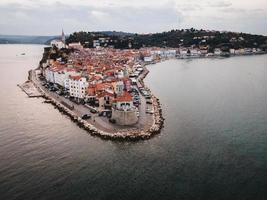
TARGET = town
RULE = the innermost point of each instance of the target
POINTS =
(104, 87)
(107, 81)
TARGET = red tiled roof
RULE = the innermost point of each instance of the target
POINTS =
(103, 86)
(76, 78)
(104, 94)
(91, 91)
(126, 97)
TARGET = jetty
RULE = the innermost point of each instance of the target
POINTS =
(29, 88)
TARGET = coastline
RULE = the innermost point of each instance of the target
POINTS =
(131, 134)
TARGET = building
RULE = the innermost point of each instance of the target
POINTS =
(123, 110)
(195, 53)
(105, 100)
(60, 76)
(124, 102)
(76, 45)
(148, 58)
(49, 75)
(96, 43)
(232, 51)
(184, 52)
(57, 43)
(77, 87)
(217, 52)
(118, 87)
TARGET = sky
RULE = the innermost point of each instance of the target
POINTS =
(48, 17)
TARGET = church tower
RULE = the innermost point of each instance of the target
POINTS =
(63, 38)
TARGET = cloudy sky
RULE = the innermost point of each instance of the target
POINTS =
(48, 17)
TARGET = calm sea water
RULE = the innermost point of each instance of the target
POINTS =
(213, 146)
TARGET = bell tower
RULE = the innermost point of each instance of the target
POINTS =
(63, 38)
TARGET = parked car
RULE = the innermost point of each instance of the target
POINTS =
(149, 101)
(113, 121)
(53, 89)
(86, 116)
(59, 92)
(105, 113)
(147, 97)
(93, 111)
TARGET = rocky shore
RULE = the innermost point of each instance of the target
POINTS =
(131, 134)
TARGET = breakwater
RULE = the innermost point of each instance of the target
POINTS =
(131, 134)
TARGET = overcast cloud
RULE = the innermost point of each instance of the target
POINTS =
(40, 17)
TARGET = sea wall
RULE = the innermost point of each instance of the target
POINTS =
(129, 134)
(124, 118)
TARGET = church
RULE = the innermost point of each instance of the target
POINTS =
(59, 43)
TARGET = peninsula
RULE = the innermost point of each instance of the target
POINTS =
(97, 78)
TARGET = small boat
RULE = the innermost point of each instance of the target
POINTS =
(23, 54)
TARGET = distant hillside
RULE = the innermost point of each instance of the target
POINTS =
(21, 39)
(115, 33)
(26, 39)
(173, 38)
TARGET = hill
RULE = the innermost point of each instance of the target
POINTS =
(173, 38)
(22, 39)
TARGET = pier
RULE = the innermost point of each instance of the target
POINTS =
(29, 88)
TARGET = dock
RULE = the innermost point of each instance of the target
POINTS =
(30, 89)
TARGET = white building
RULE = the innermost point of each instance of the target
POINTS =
(60, 76)
(171, 53)
(118, 87)
(76, 45)
(217, 52)
(124, 102)
(49, 75)
(57, 43)
(120, 74)
(148, 58)
(96, 43)
(194, 53)
(232, 51)
(77, 86)
(183, 52)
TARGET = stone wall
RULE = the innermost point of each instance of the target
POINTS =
(124, 117)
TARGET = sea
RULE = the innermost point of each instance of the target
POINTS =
(213, 145)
